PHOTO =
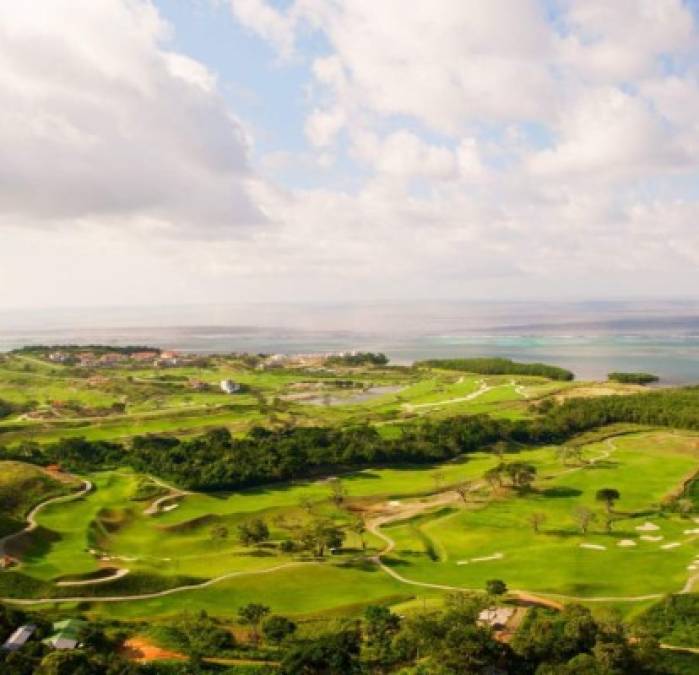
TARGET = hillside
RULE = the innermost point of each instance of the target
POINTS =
(22, 486)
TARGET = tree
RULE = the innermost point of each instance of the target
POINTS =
(522, 475)
(684, 506)
(438, 478)
(338, 492)
(252, 532)
(584, 518)
(330, 654)
(199, 635)
(306, 503)
(499, 449)
(319, 535)
(251, 615)
(463, 490)
(65, 663)
(380, 625)
(218, 534)
(277, 628)
(493, 476)
(495, 587)
(566, 453)
(536, 520)
(358, 526)
(608, 496)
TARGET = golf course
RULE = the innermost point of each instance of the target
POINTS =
(321, 491)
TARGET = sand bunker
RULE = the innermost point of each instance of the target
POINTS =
(495, 556)
(674, 544)
(594, 547)
(395, 502)
(170, 507)
(691, 567)
(648, 537)
(694, 531)
(647, 527)
(626, 542)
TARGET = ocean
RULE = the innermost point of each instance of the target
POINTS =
(591, 339)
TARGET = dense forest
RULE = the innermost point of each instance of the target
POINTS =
(216, 461)
(498, 366)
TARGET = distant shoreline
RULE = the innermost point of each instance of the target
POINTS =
(675, 358)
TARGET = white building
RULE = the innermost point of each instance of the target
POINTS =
(19, 637)
(229, 387)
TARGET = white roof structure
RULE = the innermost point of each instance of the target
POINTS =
(229, 386)
(19, 637)
(62, 642)
(496, 616)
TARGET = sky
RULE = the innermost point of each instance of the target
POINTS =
(211, 151)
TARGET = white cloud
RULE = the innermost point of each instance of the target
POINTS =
(621, 40)
(98, 119)
(606, 132)
(453, 148)
(322, 126)
(270, 24)
(404, 154)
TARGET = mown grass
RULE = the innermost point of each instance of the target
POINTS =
(22, 486)
(645, 468)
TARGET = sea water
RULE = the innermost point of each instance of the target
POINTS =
(591, 339)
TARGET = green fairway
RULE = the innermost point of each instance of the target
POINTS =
(305, 590)
(496, 539)
(456, 545)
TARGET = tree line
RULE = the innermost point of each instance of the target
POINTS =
(498, 366)
(450, 641)
(633, 378)
(217, 461)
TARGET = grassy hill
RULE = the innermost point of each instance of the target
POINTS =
(22, 486)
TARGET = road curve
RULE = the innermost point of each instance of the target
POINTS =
(155, 594)
(31, 516)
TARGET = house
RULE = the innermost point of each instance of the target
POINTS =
(144, 356)
(66, 634)
(497, 617)
(59, 357)
(169, 359)
(229, 387)
(19, 637)
(86, 359)
(112, 359)
(7, 561)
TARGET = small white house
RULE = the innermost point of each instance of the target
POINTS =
(497, 617)
(229, 387)
(19, 637)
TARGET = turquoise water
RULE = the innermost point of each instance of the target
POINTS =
(591, 339)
